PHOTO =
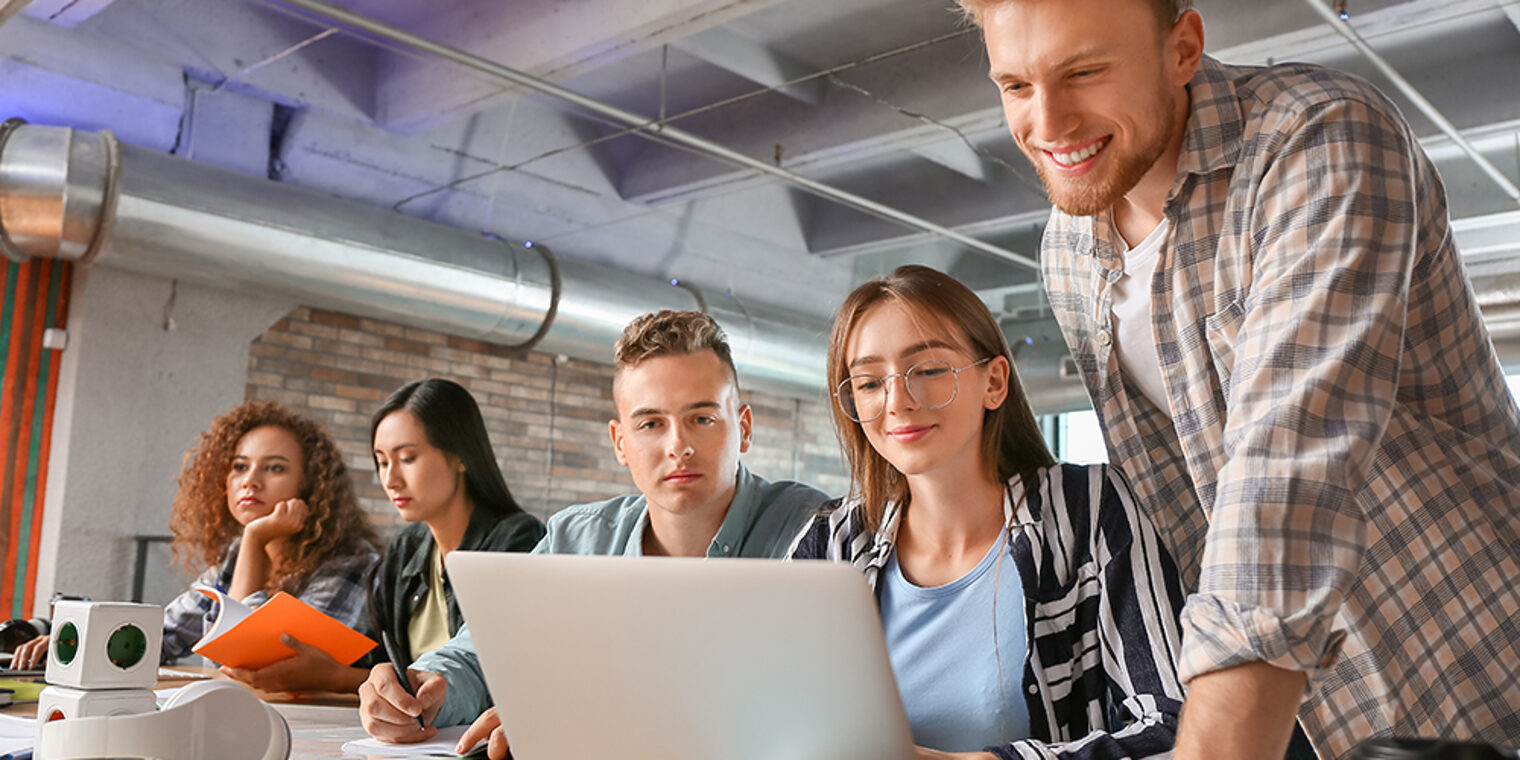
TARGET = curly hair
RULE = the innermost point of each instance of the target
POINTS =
(203, 526)
(671, 333)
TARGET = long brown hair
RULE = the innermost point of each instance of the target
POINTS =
(1011, 440)
(203, 526)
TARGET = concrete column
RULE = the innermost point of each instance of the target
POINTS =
(149, 363)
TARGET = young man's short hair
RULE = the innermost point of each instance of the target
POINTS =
(1168, 11)
(671, 333)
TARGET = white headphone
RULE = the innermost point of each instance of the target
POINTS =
(207, 719)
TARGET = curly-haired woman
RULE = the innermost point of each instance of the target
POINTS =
(264, 505)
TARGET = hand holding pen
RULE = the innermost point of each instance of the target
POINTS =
(396, 713)
(397, 704)
(394, 654)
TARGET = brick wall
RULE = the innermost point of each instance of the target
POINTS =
(336, 368)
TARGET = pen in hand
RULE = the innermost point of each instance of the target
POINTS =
(393, 654)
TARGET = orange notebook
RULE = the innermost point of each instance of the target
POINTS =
(243, 637)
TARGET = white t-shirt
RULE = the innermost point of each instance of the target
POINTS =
(1135, 343)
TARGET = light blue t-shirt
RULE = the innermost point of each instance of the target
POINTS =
(963, 689)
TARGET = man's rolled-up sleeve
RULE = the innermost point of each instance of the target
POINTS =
(1311, 355)
(466, 697)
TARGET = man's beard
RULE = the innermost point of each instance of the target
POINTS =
(1082, 196)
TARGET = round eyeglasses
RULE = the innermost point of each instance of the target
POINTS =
(932, 384)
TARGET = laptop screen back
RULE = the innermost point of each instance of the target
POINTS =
(681, 659)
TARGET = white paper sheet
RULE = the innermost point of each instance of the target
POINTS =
(441, 745)
(231, 613)
(17, 733)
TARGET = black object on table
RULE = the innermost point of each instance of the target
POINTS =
(1427, 749)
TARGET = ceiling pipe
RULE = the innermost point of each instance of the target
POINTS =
(655, 128)
(1343, 26)
(85, 197)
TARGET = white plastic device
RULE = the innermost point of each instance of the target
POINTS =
(64, 703)
(216, 719)
(105, 645)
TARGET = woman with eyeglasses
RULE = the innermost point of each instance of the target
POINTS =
(1029, 608)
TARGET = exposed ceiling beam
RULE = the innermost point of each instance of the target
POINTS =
(252, 48)
(738, 54)
(1414, 95)
(1496, 138)
(851, 131)
(554, 40)
(1314, 41)
(846, 131)
(10, 8)
(64, 13)
(51, 75)
(1487, 237)
(1511, 9)
(957, 156)
(662, 132)
(988, 227)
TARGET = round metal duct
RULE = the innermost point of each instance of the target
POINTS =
(85, 197)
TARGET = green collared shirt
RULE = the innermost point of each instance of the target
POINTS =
(761, 523)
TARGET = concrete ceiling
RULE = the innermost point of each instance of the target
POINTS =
(907, 118)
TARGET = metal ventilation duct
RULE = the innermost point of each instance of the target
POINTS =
(86, 197)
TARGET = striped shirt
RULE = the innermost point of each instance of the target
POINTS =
(1338, 475)
(1101, 598)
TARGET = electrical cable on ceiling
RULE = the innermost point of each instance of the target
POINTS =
(622, 131)
(625, 131)
(319, 36)
(700, 146)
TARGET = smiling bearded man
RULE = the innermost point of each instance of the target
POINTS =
(1254, 270)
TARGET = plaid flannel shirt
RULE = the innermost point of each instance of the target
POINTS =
(1338, 471)
(1101, 598)
(338, 588)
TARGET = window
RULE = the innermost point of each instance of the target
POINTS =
(1075, 436)
(1079, 439)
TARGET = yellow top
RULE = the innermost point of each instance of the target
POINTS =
(429, 628)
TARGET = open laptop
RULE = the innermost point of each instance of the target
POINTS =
(681, 659)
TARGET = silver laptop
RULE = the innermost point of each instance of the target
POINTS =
(681, 659)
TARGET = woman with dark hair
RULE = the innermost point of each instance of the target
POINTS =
(434, 459)
(265, 504)
(1029, 608)
(436, 464)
